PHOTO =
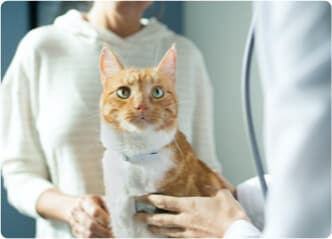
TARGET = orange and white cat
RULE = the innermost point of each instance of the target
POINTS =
(145, 152)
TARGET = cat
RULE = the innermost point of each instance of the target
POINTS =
(145, 152)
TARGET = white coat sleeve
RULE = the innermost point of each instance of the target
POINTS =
(294, 52)
(23, 165)
(250, 196)
(203, 133)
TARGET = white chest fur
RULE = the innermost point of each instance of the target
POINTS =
(125, 179)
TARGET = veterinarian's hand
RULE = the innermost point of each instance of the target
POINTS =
(192, 216)
(89, 217)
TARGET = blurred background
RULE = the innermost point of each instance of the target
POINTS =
(219, 29)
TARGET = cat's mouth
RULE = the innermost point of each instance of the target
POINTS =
(141, 120)
(142, 117)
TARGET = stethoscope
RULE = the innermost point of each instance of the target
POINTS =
(246, 66)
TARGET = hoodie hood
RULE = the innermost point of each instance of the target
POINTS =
(73, 22)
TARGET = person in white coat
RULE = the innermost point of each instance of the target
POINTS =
(294, 51)
(49, 122)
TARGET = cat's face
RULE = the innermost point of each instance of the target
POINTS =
(137, 99)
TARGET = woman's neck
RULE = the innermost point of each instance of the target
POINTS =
(123, 25)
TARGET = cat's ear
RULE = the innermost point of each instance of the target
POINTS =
(109, 64)
(167, 65)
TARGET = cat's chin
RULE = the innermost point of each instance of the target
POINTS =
(131, 128)
(140, 126)
(135, 141)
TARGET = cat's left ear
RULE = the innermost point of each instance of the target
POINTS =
(167, 65)
(109, 64)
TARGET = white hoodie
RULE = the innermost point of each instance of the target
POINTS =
(49, 125)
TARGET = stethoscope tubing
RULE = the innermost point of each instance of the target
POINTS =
(246, 70)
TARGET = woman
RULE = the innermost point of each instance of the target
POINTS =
(51, 152)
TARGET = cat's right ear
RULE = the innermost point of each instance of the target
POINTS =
(109, 65)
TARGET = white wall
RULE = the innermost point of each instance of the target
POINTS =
(219, 29)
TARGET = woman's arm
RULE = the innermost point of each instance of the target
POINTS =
(87, 215)
(55, 205)
(24, 168)
(23, 165)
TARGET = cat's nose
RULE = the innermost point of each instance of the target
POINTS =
(141, 107)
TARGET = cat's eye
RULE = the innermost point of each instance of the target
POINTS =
(123, 92)
(157, 92)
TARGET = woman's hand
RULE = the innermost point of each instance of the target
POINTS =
(87, 215)
(89, 218)
(192, 216)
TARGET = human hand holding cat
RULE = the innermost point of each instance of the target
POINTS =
(192, 216)
(89, 217)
